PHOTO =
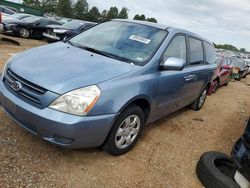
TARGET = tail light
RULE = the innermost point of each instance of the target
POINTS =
(0, 17)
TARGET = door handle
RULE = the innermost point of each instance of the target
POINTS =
(190, 77)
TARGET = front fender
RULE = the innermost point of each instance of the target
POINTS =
(117, 94)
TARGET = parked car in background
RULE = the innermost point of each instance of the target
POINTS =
(102, 86)
(16, 17)
(13, 18)
(6, 11)
(222, 73)
(1, 25)
(31, 27)
(59, 32)
(240, 69)
(248, 65)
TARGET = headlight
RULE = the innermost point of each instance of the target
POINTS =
(11, 25)
(77, 102)
(60, 31)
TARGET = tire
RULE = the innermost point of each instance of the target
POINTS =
(118, 142)
(197, 105)
(216, 85)
(227, 82)
(24, 33)
(213, 172)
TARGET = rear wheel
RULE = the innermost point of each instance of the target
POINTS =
(197, 105)
(24, 33)
(125, 132)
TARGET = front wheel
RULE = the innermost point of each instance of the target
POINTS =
(24, 33)
(197, 105)
(125, 132)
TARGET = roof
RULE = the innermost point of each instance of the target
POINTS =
(164, 27)
(157, 25)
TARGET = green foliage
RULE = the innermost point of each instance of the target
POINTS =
(112, 13)
(123, 14)
(243, 50)
(93, 15)
(140, 17)
(80, 9)
(32, 3)
(152, 20)
(143, 18)
(104, 16)
(64, 8)
(49, 6)
(226, 47)
(229, 47)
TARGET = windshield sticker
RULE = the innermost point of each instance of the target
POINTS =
(140, 39)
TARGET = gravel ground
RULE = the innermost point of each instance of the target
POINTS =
(166, 155)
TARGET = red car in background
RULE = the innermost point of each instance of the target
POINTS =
(222, 73)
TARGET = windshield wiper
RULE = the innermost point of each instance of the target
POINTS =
(105, 54)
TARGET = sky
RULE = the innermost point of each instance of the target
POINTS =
(220, 21)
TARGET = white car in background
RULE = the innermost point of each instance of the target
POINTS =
(1, 25)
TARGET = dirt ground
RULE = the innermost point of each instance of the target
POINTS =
(165, 156)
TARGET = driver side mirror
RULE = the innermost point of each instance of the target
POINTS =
(173, 63)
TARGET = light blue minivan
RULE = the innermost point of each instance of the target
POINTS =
(102, 86)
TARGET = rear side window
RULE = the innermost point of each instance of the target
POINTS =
(210, 53)
(196, 52)
(177, 48)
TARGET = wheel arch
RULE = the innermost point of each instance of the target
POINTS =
(142, 101)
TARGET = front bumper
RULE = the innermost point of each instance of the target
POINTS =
(51, 37)
(10, 30)
(59, 128)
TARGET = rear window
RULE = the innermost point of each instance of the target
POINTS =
(210, 53)
(196, 51)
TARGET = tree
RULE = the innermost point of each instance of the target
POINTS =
(64, 8)
(81, 9)
(112, 13)
(104, 16)
(243, 50)
(123, 14)
(152, 20)
(49, 6)
(93, 15)
(32, 3)
(139, 17)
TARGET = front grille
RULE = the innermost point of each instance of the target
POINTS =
(28, 90)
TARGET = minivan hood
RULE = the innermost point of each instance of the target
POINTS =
(60, 67)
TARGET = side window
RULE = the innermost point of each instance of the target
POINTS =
(196, 52)
(177, 48)
(43, 23)
(53, 23)
(210, 53)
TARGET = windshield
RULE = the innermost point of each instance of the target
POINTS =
(131, 41)
(73, 24)
(31, 19)
(238, 63)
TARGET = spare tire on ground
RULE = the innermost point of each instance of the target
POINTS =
(216, 170)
